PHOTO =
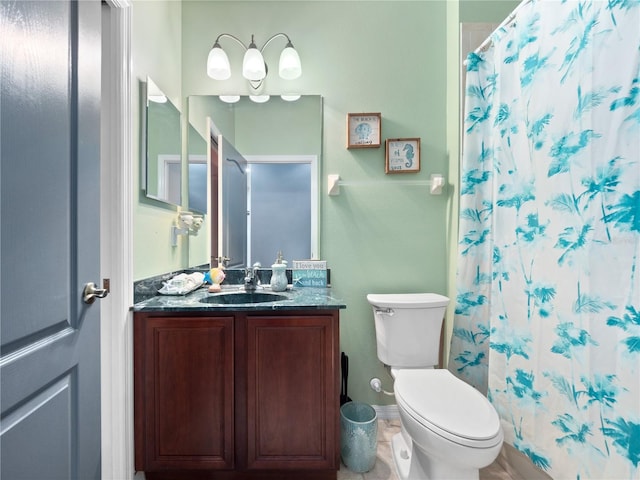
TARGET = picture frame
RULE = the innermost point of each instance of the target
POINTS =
(364, 130)
(402, 155)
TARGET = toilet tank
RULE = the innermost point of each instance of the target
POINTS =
(408, 328)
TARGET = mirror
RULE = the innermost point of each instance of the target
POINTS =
(233, 176)
(282, 143)
(197, 170)
(162, 162)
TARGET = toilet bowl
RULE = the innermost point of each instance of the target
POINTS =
(449, 429)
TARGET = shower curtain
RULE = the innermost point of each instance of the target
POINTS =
(547, 314)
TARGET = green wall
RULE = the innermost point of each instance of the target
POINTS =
(156, 46)
(361, 57)
(399, 58)
(490, 11)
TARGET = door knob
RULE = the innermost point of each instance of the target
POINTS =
(91, 291)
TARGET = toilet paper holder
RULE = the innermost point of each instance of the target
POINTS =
(188, 223)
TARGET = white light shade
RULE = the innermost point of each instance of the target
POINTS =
(259, 98)
(290, 67)
(157, 98)
(218, 66)
(290, 97)
(253, 67)
(230, 98)
(154, 94)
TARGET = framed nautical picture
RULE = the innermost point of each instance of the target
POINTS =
(402, 155)
(363, 130)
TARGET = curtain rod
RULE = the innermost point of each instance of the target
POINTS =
(487, 42)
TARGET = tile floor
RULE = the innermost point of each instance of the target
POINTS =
(384, 469)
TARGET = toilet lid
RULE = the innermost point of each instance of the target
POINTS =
(448, 406)
(407, 300)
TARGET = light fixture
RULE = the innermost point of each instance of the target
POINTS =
(157, 98)
(290, 97)
(218, 66)
(154, 94)
(289, 66)
(254, 67)
(230, 98)
(259, 98)
(256, 91)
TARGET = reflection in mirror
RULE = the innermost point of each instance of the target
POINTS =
(197, 167)
(232, 208)
(163, 159)
(282, 190)
(281, 142)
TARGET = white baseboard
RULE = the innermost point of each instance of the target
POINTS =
(387, 412)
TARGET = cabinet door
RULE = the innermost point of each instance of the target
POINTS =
(187, 393)
(292, 398)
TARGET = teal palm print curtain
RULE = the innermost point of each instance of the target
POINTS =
(547, 315)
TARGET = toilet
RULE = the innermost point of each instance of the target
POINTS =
(449, 429)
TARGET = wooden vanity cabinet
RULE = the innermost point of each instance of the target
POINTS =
(184, 392)
(251, 395)
(291, 392)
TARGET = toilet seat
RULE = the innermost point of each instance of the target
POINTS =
(448, 406)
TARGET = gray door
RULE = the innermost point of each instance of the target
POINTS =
(49, 204)
(232, 201)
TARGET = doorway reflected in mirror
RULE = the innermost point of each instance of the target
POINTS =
(274, 132)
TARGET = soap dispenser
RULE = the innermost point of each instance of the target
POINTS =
(279, 274)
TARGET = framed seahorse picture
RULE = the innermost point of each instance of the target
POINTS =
(363, 130)
(402, 155)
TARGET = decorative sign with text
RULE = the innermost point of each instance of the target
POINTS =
(363, 130)
(403, 155)
(309, 273)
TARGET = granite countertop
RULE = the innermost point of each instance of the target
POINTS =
(302, 298)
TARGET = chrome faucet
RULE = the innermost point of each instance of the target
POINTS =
(251, 279)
